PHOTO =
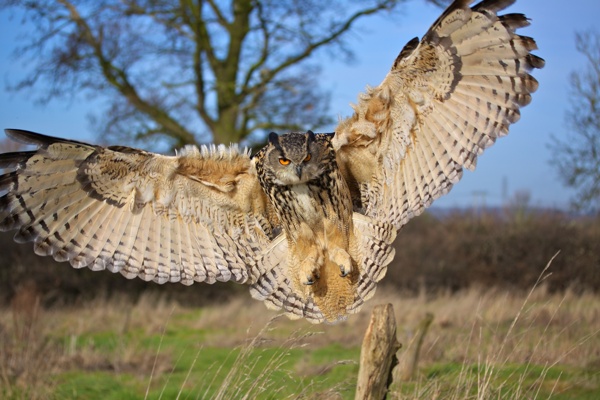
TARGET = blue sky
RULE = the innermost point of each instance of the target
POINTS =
(519, 162)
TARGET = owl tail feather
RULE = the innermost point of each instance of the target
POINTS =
(276, 290)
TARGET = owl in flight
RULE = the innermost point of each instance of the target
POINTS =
(308, 221)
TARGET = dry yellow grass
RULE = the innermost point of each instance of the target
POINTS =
(486, 327)
(554, 327)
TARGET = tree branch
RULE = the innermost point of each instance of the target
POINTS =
(220, 17)
(118, 78)
(309, 49)
(264, 52)
(221, 66)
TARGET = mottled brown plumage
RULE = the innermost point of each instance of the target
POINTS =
(302, 180)
(309, 221)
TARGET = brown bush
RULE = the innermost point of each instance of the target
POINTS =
(505, 248)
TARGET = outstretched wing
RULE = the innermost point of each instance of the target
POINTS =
(198, 216)
(446, 99)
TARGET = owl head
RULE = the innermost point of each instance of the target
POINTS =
(294, 158)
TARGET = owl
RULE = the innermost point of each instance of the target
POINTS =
(308, 222)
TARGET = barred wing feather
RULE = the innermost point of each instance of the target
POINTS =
(446, 99)
(198, 216)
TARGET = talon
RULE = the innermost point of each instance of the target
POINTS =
(309, 269)
(344, 271)
(311, 280)
(342, 259)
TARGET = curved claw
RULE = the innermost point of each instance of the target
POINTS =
(311, 280)
(342, 259)
(344, 271)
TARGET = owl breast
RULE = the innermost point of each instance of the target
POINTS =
(304, 198)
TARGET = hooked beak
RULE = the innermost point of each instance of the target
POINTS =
(299, 171)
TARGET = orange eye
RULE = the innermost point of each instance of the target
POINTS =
(307, 159)
(283, 161)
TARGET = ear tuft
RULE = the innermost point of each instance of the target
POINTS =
(274, 139)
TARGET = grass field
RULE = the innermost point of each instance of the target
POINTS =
(482, 344)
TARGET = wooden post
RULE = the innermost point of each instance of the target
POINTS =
(408, 368)
(377, 355)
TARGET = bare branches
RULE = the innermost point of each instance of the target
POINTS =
(308, 49)
(577, 156)
(192, 70)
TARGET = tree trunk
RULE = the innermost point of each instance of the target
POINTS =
(225, 129)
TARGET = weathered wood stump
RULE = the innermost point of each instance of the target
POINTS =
(378, 354)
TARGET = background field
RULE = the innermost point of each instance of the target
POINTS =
(495, 333)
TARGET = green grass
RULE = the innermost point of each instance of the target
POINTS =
(475, 349)
(198, 371)
(513, 381)
(97, 385)
(200, 375)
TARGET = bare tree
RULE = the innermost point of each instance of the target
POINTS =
(577, 155)
(189, 70)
